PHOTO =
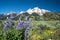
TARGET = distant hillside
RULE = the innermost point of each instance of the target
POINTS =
(35, 16)
(51, 16)
(34, 13)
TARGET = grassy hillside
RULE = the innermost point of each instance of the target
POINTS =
(44, 30)
(39, 30)
(45, 27)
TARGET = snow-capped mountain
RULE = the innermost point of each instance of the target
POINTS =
(10, 13)
(34, 13)
(37, 10)
(30, 11)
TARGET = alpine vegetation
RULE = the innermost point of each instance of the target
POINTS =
(27, 28)
(7, 25)
(24, 25)
(20, 24)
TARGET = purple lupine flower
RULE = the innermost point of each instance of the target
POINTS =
(27, 22)
(27, 29)
(24, 25)
(6, 26)
(20, 24)
(27, 33)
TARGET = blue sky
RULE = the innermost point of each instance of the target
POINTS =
(22, 5)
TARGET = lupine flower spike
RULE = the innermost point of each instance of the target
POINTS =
(27, 29)
(20, 24)
(6, 25)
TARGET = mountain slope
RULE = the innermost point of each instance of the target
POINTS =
(35, 13)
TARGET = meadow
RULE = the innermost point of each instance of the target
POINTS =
(39, 30)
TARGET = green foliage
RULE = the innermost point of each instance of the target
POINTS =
(45, 30)
(39, 30)
(13, 34)
(51, 16)
(2, 35)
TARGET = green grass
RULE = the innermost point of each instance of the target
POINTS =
(38, 30)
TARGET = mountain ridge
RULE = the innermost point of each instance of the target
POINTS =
(36, 14)
(30, 11)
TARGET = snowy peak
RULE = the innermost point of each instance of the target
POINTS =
(10, 13)
(30, 11)
(37, 10)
